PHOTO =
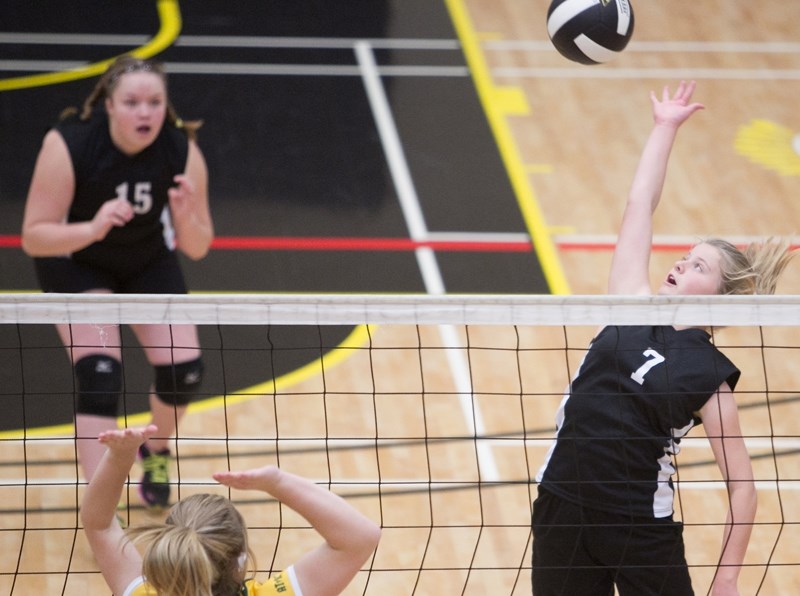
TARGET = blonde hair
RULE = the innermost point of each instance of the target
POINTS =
(754, 270)
(198, 550)
(109, 80)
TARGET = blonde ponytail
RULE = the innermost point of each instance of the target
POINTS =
(175, 562)
(198, 550)
(754, 270)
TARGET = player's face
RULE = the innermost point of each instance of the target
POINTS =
(136, 110)
(699, 272)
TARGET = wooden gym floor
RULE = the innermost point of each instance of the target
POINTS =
(520, 164)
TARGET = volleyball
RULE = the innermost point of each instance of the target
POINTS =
(590, 31)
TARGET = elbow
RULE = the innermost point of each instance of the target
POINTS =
(372, 536)
(375, 536)
(198, 249)
(28, 245)
(196, 253)
(362, 541)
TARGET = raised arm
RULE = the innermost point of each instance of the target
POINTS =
(119, 561)
(630, 266)
(188, 203)
(350, 537)
(721, 421)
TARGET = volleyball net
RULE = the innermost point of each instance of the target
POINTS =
(431, 414)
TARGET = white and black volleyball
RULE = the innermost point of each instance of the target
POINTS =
(590, 31)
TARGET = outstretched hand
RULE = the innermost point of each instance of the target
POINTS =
(675, 110)
(125, 439)
(256, 479)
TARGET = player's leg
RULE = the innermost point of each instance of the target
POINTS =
(94, 351)
(174, 353)
(561, 564)
(96, 358)
(649, 558)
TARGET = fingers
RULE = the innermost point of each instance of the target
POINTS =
(683, 93)
(119, 211)
(184, 183)
(234, 479)
(184, 188)
(258, 478)
(122, 436)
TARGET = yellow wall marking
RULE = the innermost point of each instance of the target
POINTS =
(170, 17)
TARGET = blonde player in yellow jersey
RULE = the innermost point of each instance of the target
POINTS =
(201, 549)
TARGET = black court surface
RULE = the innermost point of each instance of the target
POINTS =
(348, 149)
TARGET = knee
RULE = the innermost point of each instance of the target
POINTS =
(99, 384)
(179, 384)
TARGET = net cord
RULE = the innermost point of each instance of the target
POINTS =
(374, 309)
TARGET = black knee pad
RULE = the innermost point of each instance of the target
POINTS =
(178, 384)
(99, 380)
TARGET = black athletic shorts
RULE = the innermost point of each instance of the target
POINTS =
(585, 552)
(161, 275)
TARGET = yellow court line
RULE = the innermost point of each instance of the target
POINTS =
(493, 100)
(170, 25)
(170, 18)
(358, 337)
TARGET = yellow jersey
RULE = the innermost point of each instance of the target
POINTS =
(282, 584)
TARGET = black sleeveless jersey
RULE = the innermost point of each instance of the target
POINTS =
(635, 395)
(103, 172)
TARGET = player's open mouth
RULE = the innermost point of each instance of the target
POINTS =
(671, 279)
(143, 129)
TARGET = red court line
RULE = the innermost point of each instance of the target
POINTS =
(321, 243)
(325, 243)
(9, 241)
(605, 246)
(364, 244)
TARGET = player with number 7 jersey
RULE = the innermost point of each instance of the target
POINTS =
(602, 521)
(636, 394)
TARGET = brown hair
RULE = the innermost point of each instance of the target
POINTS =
(198, 550)
(754, 270)
(104, 88)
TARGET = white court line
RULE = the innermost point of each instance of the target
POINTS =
(251, 69)
(687, 443)
(388, 485)
(609, 240)
(746, 74)
(705, 47)
(503, 45)
(426, 259)
(215, 68)
(225, 41)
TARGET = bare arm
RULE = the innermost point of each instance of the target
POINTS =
(721, 420)
(189, 207)
(349, 536)
(45, 231)
(119, 561)
(630, 266)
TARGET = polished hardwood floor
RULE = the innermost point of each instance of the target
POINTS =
(455, 511)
